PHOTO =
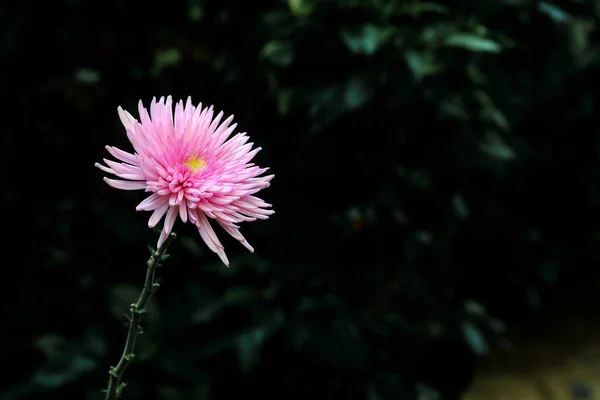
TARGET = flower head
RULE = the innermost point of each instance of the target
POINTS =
(185, 160)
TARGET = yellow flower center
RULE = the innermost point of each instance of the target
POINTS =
(196, 163)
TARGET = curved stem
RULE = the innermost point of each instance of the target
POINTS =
(137, 311)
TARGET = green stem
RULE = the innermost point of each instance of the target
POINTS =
(137, 311)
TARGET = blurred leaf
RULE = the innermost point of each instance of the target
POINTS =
(87, 76)
(553, 12)
(248, 346)
(56, 376)
(454, 107)
(475, 74)
(422, 64)
(474, 338)
(333, 101)
(434, 33)
(472, 42)
(195, 11)
(460, 206)
(580, 38)
(424, 237)
(278, 53)
(52, 346)
(489, 111)
(301, 8)
(356, 93)
(206, 313)
(496, 147)
(165, 58)
(497, 117)
(475, 308)
(427, 393)
(368, 39)
(238, 294)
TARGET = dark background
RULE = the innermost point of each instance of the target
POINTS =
(436, 190)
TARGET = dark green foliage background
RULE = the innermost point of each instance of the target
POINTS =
(437, 171)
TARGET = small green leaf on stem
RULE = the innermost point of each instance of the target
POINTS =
(122, 386)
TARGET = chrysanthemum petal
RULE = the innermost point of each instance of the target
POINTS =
(210, 238)
(183, 212)
(126, 118)
(245, 218)
(215, 122)
(223, 257)
(221, 136)
(170, 218)
(125, 185)
(236, 234)
(221, 216)
(125, 169)
(157, 215)
(202, 220)
(122, 155)
(104, 168)
(152, 202)
(162, 238)
(122, 170)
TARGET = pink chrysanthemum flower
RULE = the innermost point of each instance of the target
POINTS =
(192, 170)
